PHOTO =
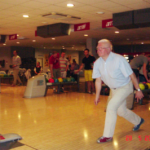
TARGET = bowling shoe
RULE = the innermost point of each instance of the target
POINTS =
(138, 126)
(104, 139)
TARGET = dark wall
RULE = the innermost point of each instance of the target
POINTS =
(132, 48)
(81, 56)
(23, 52)
(27, 55)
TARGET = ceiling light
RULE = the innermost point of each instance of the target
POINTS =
(53, 38)
(126, 57)
(33, 40)
(18, 42)
(25, 16)
(116, 32)
(128, 39)
(44, 22)
(142, 42)
(85, 34)
(70, 5)
(100, 12)
(21, 37)
(4, 44)
(17, 34)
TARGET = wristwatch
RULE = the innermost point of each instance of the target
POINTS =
(138, 89)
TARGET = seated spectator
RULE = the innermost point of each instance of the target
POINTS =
(28, 74)
(38, 68)
(74, 66)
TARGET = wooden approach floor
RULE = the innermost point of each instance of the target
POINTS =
(67, 121)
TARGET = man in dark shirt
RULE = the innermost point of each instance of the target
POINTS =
(87, 63)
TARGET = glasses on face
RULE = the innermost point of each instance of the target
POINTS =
(102, 48)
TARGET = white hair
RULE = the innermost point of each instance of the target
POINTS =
(106, 41)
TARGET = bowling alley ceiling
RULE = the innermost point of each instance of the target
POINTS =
(12, 22)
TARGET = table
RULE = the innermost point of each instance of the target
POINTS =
(59, 84)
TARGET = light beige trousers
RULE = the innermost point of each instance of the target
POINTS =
(16, 76)
(117, 105)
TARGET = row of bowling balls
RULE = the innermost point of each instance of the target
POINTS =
(57, 80)
(5, 75)
(144, 86)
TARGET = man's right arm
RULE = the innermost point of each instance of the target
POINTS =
(98, 86)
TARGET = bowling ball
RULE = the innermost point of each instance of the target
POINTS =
(5, 75)
(56, 80)
(46, 80)
(64, 80)
(51, 80)
(72, 79)
(60, 79)
(148, 85)
(141, 85)
(68, 79)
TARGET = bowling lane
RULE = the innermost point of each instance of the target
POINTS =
(66, 121)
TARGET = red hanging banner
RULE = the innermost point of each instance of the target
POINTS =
(82, 26)
(36, 33)
(107, 23)
(13, 37)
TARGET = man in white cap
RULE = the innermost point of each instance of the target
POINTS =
(116, 73)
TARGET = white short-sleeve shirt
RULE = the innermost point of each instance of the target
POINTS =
(114, 72)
